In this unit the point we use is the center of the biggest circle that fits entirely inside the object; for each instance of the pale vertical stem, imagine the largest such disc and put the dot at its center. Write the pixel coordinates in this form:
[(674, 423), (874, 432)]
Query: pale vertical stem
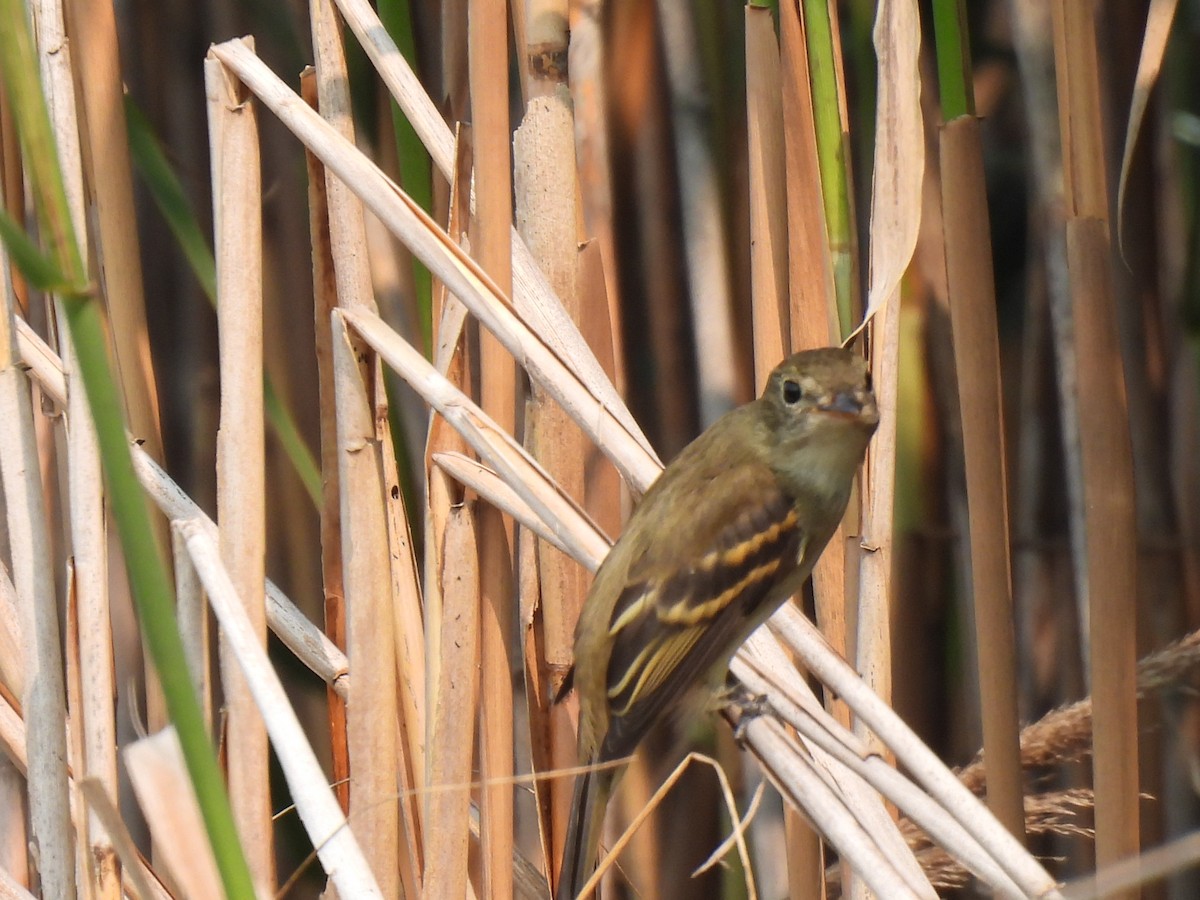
[(875, 575), (372, 710), (972, 294), (110, 183), (193, 624), (337, 843), (241, 504), (497, 764), (447, 834), (88, 875), (43, 701), (89, 548), (547, 216), (85, 496), (370, 631), (410, 659), (1110, 533), (492, 246)]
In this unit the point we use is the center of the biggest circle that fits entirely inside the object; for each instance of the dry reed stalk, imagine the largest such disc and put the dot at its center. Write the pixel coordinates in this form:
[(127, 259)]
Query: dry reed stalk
[(158, 776), (768, 207), (798, 777), (43, 700), (93, 31), (872, 639), (447, 827), (137, 878), (491, 231), (814, 320), (971, 291), (604, 490), (547, 217), (452, 363), (802, 637), (193, 627), (764, 670), (497, 754), (593, 172), (853, 791), (335, 841), (410, 665), (12, 653), (241, 467), (1109, 521), (358, 398), (324, 302), (372, 707), (895, 221), (94, 742)]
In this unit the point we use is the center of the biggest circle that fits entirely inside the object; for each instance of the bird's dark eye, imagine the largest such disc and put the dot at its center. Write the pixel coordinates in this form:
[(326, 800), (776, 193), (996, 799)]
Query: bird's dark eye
[(792, 392)]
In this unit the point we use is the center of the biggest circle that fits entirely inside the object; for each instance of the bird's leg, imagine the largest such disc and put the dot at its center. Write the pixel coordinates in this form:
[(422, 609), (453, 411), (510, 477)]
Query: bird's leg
[(740, 706)]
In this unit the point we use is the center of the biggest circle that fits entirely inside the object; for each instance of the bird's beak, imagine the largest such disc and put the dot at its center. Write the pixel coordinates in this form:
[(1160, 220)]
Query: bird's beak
[(844, 402)]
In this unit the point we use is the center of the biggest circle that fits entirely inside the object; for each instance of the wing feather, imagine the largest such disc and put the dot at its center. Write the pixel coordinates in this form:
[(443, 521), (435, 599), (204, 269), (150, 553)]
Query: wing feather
[(669, 630)]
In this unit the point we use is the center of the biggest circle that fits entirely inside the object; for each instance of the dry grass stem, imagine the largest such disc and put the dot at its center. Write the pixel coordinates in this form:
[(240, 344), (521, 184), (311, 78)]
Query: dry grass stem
[(43, 701), (165, 795), (1109, 525), (446, 808), (315, 802), (970, 282), (768, 210), (241, 466), (793, 701), (372, 709)]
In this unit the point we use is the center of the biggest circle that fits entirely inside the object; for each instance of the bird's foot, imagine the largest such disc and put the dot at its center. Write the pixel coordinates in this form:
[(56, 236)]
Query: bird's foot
[(741, 707)]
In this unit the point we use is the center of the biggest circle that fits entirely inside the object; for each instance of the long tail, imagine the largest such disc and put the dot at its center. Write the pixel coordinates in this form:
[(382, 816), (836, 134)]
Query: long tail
[(592, 791)]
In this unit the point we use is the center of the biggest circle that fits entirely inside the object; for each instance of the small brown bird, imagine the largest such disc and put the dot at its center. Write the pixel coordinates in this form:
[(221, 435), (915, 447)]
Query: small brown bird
[(729, 531)]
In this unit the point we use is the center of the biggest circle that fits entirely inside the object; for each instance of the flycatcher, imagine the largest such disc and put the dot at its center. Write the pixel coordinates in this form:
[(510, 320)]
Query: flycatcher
[(729, 531)]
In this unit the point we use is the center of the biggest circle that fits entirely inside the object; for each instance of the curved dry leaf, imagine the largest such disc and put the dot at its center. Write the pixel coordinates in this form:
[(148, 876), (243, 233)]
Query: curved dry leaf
[(899, 151), (1154, 46)]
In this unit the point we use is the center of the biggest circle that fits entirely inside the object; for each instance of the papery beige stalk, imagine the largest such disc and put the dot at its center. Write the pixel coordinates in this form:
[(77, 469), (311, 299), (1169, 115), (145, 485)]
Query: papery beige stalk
[(241, 477)]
